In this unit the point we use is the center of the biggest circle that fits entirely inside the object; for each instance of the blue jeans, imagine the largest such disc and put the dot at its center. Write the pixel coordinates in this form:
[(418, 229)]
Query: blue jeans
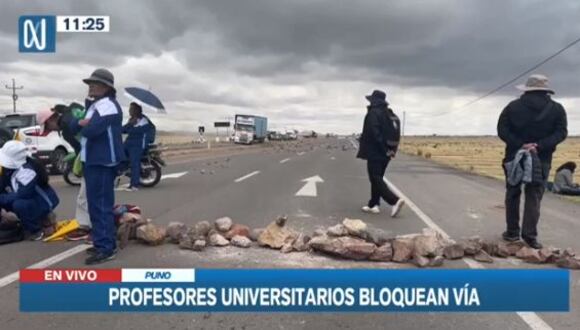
[(100, 181)]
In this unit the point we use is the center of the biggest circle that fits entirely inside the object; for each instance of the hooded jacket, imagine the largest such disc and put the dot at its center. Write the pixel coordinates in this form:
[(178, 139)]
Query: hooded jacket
[(380, 133), (533, 118)]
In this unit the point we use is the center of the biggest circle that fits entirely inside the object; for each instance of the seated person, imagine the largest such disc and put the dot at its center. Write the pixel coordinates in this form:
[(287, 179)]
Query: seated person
[(564, 180), (24, 189)]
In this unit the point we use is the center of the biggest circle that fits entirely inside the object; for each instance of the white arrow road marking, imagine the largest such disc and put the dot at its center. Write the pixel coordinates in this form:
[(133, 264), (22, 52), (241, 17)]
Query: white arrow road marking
[(173, 175), (247, 176), (284, 160), (309, 188)]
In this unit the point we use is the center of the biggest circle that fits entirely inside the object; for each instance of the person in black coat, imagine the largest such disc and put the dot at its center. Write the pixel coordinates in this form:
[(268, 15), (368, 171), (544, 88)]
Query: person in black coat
[(536, 123), (378, 145)]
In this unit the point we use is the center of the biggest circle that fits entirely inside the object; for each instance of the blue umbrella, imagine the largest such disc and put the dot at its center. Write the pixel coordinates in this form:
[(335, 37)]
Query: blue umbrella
[(145, 98)]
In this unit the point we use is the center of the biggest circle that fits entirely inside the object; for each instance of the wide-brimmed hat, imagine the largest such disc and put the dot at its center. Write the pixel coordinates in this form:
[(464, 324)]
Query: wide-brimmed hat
[(13, 155), (102, 76), (536, 82), (377, 97)]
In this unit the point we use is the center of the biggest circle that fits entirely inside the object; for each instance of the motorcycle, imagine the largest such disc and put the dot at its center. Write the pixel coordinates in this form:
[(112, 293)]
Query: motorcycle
[(151, 164)]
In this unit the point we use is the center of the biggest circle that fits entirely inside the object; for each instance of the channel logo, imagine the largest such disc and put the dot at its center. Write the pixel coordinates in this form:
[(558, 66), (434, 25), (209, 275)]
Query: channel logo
[(37, 34)]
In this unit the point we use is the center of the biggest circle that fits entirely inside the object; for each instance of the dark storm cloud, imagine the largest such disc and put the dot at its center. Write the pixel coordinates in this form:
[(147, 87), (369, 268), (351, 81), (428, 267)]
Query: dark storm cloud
[(459, 44)]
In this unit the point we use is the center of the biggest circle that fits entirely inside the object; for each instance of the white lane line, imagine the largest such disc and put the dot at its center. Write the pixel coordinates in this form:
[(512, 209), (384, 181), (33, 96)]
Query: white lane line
[(247, 176), (284, 160), (173, 175), (354, 144), (6, 280), (533, 320)]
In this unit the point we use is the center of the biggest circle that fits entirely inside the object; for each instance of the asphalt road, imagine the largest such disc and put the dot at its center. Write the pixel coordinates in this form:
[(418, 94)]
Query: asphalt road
[(254, 188)]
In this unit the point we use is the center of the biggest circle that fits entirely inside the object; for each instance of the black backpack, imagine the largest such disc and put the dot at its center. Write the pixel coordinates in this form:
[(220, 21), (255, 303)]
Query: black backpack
[(11, 232), (392, 131)]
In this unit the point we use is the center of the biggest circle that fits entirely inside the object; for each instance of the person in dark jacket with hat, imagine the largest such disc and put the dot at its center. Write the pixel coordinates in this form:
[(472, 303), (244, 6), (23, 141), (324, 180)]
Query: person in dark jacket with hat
[(536, 123), (378, 145), (101, 153)]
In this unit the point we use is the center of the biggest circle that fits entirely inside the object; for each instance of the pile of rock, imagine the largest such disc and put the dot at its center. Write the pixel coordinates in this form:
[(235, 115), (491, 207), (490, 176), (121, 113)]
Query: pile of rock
[(351, 239), (222, 233)]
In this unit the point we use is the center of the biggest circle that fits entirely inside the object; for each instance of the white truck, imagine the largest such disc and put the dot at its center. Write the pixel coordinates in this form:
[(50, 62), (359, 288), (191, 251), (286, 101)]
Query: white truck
[(250, 129)]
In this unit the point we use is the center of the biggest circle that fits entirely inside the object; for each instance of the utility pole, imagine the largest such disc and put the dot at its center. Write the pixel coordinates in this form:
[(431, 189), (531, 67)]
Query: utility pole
[(14, 95)]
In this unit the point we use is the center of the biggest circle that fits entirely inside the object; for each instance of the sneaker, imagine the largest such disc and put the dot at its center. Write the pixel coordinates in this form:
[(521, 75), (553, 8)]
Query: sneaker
[(39, 235), (99, 258), (88, 240), (374, 210), (78, 234), (534, 244), (397, 207), (91, 251), (131, 189), (510, 238)]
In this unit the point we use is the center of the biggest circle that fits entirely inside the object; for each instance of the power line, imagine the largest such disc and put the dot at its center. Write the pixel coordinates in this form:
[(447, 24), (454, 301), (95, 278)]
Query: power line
[(511, 81)]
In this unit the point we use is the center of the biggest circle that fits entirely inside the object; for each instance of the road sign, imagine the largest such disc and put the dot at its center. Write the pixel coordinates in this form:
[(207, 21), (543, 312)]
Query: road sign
[(221, 124)]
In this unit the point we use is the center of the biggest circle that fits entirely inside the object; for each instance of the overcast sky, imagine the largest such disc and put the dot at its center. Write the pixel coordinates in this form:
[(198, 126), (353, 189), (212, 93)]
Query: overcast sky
[(305, 64)]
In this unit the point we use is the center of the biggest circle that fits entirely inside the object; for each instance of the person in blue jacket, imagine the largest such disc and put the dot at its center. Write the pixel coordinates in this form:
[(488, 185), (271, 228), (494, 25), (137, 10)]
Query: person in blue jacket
[(25, 189), (101, 153), (138, 130)]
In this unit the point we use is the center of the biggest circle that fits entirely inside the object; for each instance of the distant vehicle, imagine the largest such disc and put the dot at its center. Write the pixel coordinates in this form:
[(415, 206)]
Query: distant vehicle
[(250, 129), (308, 134), (290, 135), (49, 148), (275, 136)]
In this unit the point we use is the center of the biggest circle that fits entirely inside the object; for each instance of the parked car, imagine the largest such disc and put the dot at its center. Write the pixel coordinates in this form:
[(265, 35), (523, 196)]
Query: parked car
[(49, 148), (275, 136)]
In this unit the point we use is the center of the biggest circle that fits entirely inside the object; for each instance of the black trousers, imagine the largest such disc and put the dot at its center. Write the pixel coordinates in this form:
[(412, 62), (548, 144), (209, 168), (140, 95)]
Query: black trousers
[(379, 189), (533, 200)]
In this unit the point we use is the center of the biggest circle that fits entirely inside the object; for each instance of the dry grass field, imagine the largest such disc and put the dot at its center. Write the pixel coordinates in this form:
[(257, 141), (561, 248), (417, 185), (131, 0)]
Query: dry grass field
[(480, 155)]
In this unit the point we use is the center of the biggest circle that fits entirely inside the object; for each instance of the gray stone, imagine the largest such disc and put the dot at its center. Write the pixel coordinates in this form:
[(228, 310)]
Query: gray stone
[(223, 224), (218, 240), (337, 230), (319, 232), (356, 227), (151, 234), (437, 261), (569, 262), (202, 228), (176, 230), (255, 233), (482, 256), (383, 253), (472, 245), (346, 247), (301, 243), (421, 261), (427, 246), (199, 245), (403, 249), (454, 251), (378, 236), (241, 241), (530, 255)]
